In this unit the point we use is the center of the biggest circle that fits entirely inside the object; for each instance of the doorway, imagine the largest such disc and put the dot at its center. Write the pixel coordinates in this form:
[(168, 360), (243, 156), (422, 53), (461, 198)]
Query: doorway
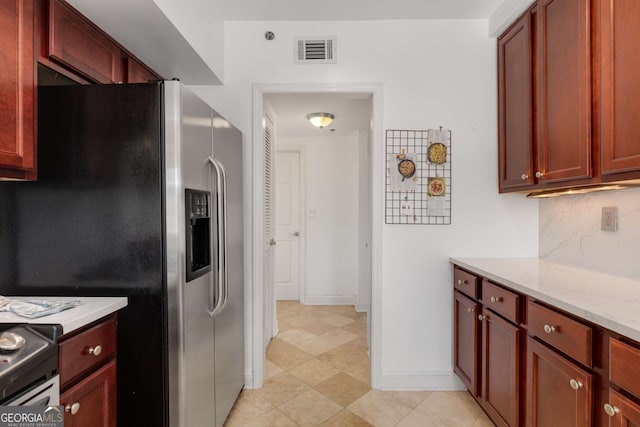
[(364, 295)]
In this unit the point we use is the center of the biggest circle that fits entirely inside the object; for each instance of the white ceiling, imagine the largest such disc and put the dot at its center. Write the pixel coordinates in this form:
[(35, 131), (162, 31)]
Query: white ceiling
[(354, 10), (352, 113)]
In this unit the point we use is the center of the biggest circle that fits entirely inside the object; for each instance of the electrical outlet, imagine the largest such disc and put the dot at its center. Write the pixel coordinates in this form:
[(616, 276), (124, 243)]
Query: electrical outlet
[(609, 219)]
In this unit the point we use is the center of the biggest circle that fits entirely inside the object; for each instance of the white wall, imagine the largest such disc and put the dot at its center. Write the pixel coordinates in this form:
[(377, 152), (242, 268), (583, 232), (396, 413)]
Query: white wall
[(201, 24), (570, 232), (331, 217), (434, 72)]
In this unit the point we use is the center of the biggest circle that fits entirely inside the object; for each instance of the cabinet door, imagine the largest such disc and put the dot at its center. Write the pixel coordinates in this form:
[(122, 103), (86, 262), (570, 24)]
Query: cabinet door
[(17, 96), (620, 85), (515, 108), (466, 341), (501, 369), (92, 402), (559, 392), (77, 44), (626, 412), (137, 73), (564, 90)]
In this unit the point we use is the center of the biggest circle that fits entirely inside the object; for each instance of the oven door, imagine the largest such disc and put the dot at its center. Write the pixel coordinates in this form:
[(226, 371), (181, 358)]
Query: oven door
[(42, 394)]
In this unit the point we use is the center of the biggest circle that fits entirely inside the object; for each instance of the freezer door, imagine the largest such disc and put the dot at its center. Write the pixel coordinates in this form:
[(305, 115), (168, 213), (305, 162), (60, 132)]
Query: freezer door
[(229, 322), (192, 385)]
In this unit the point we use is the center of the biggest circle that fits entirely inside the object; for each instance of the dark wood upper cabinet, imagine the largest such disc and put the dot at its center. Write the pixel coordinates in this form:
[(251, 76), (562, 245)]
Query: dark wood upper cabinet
[(138, 73), (77, 44), (619, 95), (54, 34), (564, 90), (17, 91), (515, 118), (569, 96)]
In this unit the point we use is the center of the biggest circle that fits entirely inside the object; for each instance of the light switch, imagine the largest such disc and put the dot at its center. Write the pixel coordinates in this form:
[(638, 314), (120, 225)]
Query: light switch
[(609, 219)]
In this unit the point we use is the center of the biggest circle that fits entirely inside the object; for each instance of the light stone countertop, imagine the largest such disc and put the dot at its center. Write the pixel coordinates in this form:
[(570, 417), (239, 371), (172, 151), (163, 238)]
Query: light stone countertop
[(89, 310), (609, 301)]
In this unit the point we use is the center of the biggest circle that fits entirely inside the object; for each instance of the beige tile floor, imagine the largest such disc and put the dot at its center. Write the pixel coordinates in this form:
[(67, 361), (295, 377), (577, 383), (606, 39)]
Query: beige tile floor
[(318, 375)]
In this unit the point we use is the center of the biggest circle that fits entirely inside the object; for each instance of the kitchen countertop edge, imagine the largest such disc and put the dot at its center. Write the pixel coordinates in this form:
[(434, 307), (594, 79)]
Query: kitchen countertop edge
[(611, 302), (89, 310)]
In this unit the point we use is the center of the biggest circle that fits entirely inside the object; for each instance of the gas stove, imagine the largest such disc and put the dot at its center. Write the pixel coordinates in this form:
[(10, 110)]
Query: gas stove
[(28, 357)]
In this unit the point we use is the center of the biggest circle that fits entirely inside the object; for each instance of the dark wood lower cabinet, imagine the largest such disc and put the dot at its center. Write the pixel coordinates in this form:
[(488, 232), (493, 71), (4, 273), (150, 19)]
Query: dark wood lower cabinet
[(466, 341), (501, 369), (92, 401), (623, 411), (559, 392)]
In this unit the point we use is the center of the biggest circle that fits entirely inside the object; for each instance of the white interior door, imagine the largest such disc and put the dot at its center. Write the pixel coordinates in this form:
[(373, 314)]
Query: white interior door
[(287, 265), (269, 238)]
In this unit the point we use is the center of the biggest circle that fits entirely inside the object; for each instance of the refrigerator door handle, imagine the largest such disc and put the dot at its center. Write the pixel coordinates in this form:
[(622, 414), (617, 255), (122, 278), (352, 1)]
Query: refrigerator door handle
[(221, 232)]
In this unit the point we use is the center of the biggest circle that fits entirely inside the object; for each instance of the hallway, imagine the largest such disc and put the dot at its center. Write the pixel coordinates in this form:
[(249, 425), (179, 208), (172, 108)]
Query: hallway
[(318, 375)]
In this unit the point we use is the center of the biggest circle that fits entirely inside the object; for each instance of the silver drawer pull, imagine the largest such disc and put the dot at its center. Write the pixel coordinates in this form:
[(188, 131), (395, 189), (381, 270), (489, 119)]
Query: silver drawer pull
[(96, 351), (576, 385), (462, 282), (470, 310), (496, 299), (549, 329), (611, 410), (72, 408)]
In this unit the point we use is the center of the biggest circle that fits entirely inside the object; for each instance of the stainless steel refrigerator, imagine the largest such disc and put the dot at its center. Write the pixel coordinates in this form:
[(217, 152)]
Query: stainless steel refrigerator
[(140, 194)]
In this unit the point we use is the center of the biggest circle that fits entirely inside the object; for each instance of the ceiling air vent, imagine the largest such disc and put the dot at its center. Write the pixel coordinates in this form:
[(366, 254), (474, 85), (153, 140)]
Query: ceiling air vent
[(321, 50)]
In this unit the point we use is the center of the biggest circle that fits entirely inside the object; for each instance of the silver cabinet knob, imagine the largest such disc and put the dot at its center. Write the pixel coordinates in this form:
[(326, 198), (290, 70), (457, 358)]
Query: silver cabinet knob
[(549, 329), (272, 242), (611, 410), (576, 385), (296, 233), (461, 282), (496, 299), (470, 310), (96, 351), (524, 177), (480, 317), (72, 408), (539, 174)]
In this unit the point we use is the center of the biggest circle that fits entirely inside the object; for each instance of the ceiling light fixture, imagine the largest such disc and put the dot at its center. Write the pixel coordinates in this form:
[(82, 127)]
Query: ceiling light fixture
[(320, 120)]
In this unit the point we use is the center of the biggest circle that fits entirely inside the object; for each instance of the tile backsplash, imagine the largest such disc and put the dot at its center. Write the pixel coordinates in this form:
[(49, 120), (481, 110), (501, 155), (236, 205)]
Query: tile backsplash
[(570, 232)]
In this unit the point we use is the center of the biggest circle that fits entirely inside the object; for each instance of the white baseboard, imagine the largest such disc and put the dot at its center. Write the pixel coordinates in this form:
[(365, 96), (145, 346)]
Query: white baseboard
[(362, 308), (420, 380), (330, 300), (248, 380)]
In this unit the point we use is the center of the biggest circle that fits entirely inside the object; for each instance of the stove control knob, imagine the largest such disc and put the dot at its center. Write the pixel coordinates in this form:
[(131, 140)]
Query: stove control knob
[(96, 351), (72, 408)]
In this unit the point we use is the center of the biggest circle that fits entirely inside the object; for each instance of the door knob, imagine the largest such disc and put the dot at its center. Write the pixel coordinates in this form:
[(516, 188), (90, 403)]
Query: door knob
[(575, 384), (611, 410)]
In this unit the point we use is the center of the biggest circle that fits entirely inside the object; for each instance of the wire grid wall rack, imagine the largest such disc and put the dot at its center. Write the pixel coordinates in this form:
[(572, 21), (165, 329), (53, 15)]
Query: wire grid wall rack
[(425, 197)]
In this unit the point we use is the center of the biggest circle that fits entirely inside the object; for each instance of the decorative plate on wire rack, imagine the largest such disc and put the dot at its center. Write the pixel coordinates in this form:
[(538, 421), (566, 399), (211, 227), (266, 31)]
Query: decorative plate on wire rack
[(437, 153)]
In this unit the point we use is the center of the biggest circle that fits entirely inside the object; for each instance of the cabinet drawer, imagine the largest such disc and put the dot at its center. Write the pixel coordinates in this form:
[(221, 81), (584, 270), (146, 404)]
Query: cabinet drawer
[(567, 335), (501, 301), (86, 350), (623, 364), (465, 282)]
